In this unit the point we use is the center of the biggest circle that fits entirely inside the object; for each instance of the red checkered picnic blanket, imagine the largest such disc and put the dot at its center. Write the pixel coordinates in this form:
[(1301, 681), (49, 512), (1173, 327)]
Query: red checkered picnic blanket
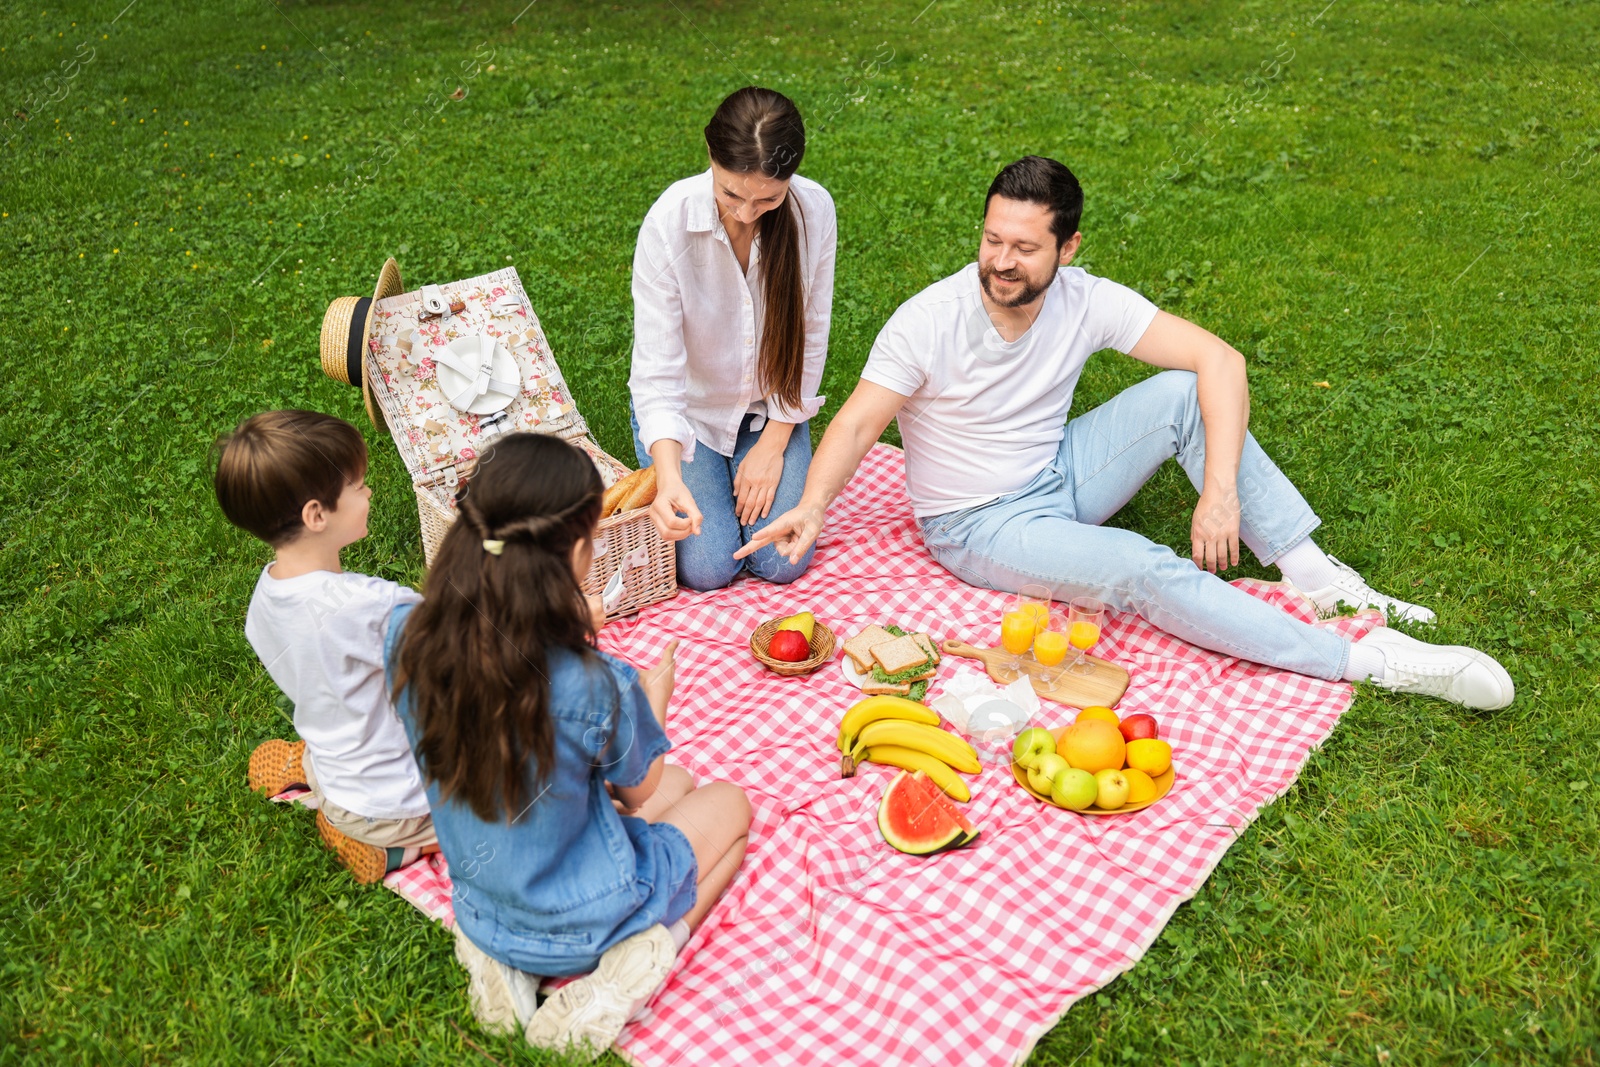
[(831, 947)]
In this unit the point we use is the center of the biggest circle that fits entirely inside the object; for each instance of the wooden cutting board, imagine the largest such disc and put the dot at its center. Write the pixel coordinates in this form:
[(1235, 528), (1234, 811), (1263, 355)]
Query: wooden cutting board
[(1103, 686)]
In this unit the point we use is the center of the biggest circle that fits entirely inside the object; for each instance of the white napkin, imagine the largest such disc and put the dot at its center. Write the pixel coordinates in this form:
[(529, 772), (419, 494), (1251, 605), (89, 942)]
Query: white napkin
[(988, 716)]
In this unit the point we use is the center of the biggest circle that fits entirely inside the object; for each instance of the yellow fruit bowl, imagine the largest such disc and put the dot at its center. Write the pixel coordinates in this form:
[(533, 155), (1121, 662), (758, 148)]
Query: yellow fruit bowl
[(1163, 787), (1163, 783)]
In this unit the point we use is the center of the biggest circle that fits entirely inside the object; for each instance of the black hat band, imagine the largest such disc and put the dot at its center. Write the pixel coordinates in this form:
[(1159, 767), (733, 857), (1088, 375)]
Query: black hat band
[(357, 342)]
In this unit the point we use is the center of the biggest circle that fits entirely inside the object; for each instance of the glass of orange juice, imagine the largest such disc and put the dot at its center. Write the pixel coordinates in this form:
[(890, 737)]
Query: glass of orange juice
[(1026, 614), (1050, 647), (1034, 599), (1086, 616)]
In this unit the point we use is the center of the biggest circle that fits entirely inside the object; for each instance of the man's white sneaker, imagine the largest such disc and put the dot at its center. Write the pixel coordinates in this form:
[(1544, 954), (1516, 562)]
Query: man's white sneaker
[(1356, 594), (502, 997), (586, 1016), (1455, 673)]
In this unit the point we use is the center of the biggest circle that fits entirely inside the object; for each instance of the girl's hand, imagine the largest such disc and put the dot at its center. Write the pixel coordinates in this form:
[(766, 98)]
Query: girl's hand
[(756, 482), (616, 801), (597, 610), (672, 497), (657, 681)]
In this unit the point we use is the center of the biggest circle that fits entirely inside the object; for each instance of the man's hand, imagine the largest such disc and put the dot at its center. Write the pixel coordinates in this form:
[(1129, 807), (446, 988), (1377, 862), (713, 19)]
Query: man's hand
[(1214, 533), (756, 482), (672, 497), (657, 681), (790, 533)]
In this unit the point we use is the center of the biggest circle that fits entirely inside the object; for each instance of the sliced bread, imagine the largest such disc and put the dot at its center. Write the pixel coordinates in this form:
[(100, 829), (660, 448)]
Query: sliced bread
[(859, 647), (927, 644), (899, 654), (886, 689)]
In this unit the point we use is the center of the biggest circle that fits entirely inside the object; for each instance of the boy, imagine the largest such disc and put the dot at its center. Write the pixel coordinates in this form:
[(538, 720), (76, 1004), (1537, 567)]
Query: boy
[(296, 480)]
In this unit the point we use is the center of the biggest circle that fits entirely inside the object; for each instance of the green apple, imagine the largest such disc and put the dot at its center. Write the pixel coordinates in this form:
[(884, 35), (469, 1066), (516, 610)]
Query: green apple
[(1113, 789), (1031, 744), (1075, 789), (1042, 775)]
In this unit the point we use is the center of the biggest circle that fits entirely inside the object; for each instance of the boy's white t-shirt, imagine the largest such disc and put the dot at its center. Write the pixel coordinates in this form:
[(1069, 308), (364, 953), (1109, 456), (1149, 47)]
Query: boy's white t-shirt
[(320, 636), (985, 415)]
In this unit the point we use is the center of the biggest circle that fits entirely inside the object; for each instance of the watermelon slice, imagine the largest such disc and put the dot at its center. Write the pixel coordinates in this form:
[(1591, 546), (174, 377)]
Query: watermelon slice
[(916, 817)]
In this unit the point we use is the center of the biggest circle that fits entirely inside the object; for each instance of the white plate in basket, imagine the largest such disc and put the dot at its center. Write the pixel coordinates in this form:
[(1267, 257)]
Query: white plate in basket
[(470, 351)]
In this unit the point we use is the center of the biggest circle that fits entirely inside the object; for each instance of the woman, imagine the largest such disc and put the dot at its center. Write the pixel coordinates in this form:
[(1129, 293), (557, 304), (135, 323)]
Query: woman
[(732, 297)]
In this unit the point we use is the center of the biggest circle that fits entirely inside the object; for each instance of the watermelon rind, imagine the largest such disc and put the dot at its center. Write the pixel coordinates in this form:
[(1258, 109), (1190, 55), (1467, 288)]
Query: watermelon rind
[(915, 818)]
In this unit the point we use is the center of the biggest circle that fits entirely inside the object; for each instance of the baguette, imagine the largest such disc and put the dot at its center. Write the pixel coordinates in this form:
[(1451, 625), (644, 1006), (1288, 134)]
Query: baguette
[(636, 490)]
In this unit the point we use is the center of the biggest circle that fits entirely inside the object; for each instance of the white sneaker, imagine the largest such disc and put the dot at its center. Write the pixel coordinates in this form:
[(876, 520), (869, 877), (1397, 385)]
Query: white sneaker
[(1356, 594), (502, 997), (584, 1017), (1455, 673)]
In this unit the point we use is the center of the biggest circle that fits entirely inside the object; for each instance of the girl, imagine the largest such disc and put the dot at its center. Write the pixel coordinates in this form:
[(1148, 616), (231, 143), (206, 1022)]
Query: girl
[(732, 297), (572, 844)]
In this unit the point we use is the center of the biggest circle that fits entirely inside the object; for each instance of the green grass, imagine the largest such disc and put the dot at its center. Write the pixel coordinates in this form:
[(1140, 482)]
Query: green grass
[(1402, 209)]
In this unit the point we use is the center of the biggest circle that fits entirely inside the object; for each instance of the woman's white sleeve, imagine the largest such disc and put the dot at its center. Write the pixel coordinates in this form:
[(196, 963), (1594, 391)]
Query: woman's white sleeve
[(660, 374)]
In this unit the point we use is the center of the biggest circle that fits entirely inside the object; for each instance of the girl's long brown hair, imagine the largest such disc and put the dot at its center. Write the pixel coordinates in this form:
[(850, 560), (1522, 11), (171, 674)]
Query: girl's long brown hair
[(476, 650), (760, 131)]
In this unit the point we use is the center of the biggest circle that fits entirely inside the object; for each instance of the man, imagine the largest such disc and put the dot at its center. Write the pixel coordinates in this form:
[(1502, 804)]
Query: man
[(979, 369)]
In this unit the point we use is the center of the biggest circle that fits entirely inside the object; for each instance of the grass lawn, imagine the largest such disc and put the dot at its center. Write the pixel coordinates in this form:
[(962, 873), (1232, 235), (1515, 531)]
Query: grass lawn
[(1385, 206)]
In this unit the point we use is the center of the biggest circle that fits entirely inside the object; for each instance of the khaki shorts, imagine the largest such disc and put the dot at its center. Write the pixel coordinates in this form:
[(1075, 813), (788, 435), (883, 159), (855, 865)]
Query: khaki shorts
[(415, 832)]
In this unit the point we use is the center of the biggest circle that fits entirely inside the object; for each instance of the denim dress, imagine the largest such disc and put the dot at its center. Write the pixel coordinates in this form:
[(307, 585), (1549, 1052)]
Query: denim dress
[(551, 891)]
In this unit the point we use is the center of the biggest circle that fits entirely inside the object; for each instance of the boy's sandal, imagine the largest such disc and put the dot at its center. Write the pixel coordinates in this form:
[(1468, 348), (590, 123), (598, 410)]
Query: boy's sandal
[(368, 863), (585, 1017), (277, 765)]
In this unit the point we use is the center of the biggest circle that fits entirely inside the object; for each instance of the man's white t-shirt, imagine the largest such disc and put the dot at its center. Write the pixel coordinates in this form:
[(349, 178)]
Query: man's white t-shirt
[(320, 636), (985, 415)]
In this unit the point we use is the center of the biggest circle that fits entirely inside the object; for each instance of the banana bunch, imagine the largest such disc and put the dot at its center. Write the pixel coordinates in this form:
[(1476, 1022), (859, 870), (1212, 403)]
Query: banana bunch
[(903, 733)]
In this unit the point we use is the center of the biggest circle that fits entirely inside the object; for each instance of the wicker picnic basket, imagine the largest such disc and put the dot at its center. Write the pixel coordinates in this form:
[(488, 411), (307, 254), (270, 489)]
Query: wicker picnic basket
[(407, 349)]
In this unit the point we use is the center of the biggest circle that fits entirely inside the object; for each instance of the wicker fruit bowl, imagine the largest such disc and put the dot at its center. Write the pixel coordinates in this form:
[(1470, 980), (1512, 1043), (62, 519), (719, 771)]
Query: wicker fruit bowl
[(821, 650)]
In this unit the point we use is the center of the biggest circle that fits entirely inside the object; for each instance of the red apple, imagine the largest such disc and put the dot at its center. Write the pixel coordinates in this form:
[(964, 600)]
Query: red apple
[(790, 646), (1137, 727)]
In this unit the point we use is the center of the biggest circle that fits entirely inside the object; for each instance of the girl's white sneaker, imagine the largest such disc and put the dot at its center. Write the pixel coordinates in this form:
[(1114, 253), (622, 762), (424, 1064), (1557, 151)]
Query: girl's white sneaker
[(586, 1016), (502, 997)]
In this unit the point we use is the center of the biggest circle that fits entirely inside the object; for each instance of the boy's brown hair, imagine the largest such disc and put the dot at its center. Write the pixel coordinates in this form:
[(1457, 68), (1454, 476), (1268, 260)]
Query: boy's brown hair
[(278, 461)]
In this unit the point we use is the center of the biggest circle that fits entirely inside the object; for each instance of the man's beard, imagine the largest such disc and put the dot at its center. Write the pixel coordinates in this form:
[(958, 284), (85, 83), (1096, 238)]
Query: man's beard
[(1027, 295)]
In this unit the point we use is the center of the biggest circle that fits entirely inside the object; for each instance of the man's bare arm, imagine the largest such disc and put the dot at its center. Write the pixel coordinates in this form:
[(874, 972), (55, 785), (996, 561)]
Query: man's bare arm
[(1224, 393)]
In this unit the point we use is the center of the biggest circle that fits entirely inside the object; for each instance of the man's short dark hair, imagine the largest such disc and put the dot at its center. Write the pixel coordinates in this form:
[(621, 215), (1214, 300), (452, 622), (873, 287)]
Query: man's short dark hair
[(1038, 180), (276, 462)]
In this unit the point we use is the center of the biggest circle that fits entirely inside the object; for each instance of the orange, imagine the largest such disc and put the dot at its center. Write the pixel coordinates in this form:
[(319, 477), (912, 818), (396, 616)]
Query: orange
[(1140, 787), (1103, 714), (1150, 756), (1093, 745)]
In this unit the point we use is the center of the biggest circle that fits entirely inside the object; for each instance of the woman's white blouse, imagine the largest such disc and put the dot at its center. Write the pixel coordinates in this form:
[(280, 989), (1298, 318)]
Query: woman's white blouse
[(697, 318)]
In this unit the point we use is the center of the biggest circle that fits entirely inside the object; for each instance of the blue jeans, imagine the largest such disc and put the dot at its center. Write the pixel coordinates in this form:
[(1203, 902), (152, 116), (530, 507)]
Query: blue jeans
[(1049, 532), (706, 561)]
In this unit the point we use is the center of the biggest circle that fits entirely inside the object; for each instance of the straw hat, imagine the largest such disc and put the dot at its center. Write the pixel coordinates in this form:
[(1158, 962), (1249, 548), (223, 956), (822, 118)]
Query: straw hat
[(345, 329)]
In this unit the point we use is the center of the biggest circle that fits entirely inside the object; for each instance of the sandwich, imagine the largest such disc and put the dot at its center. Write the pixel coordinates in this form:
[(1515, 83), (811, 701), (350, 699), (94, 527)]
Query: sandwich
[(895, 662), (859, 647)]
